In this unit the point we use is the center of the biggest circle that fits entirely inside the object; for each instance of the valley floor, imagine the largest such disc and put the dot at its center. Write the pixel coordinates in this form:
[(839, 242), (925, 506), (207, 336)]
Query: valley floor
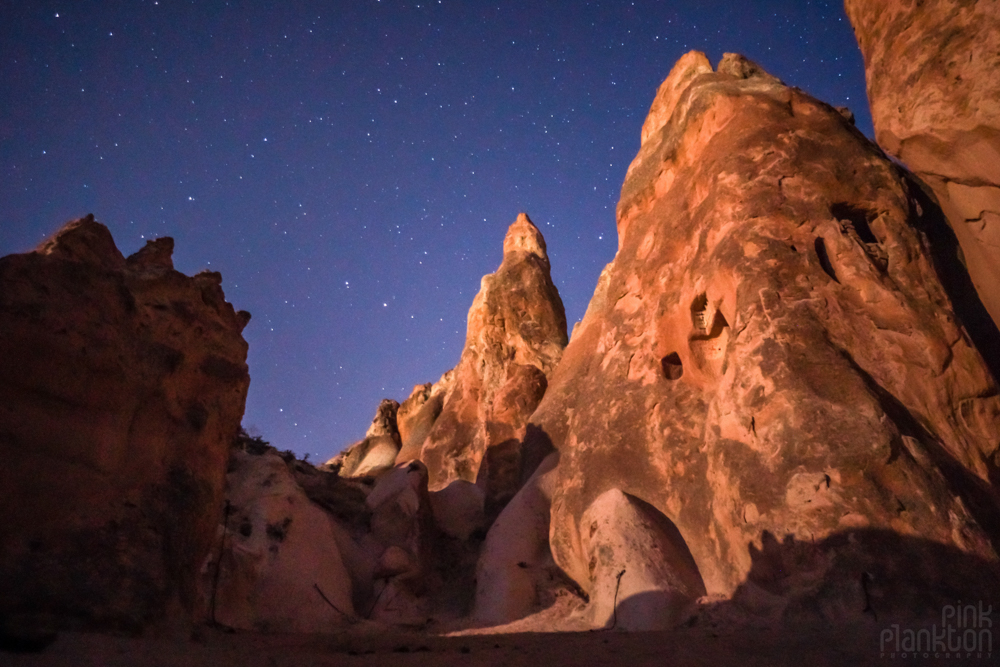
[(372, 645)]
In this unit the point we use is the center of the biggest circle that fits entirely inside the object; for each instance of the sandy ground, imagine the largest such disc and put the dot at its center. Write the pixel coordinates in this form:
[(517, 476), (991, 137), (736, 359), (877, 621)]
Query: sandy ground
[(371, 645)]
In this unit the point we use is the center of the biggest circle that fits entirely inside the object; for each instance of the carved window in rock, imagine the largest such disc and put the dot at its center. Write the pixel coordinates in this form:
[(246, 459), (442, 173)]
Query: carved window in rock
[(856, 224)]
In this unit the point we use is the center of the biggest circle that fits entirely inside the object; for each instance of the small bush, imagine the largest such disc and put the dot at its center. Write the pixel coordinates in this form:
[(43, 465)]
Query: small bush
[(251, 444)]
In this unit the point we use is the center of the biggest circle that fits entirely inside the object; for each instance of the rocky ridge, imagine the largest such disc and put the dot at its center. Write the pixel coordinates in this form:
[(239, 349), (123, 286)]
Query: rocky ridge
[(377, 452)]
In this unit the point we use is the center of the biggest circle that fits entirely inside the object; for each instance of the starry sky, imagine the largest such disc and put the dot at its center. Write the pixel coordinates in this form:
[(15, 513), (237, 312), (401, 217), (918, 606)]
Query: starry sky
[(351, 167)]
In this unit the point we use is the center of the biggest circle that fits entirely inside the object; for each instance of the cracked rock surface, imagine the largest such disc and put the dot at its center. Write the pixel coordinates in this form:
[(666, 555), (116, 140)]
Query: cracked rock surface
[(516, 334), (932, 79), (122, 385), (772, 365)]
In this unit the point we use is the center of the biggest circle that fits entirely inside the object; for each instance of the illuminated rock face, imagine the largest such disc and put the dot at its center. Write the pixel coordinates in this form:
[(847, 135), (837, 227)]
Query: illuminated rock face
[(122, 385), (281, 569), (771, 366), (377, 452), (935, 99), (516, 334), (770, 399)]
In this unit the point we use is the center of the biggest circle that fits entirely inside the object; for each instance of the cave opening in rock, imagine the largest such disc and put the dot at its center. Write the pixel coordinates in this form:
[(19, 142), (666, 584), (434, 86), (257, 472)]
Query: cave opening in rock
[(673, 368), (699, 313), (859, 219), (719, 322), (824, 259)]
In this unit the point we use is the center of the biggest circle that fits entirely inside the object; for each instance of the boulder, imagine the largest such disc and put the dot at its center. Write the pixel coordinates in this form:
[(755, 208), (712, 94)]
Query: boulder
[(400, 507), (642, 576), (772, 364), (277, 566), (404, 536), (122, 386), (515, 562), (935, 101), (458, 509)]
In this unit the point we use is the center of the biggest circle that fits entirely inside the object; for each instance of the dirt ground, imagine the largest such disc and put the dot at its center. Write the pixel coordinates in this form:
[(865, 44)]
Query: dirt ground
[(372, 645)]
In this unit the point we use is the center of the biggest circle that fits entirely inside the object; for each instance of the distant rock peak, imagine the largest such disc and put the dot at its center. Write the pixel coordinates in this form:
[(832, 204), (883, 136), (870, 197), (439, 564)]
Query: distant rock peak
[(469, 426), (691, 65), (84, 240), (376, 453), (157, 253), (742, 67), (523, 236)]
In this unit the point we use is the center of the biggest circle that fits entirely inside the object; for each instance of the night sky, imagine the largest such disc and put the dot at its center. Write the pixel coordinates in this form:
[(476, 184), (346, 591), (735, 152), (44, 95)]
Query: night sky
[(351, 167)]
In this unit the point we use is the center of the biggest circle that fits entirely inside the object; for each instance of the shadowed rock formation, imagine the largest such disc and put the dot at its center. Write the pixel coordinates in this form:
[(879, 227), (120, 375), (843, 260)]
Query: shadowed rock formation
[(277, 567), (516, 333), (935, 99), (770, 353), (122, 384), (302, 549), (516, 564), (412, 551)]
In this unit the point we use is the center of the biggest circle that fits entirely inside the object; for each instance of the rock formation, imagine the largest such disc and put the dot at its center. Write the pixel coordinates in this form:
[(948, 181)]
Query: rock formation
[(625, 536), (418, 413), (277, 567), (122, 385), (402, 526), (772, 405), (304, 549), (770, 376), (935, 99), (516, 333), (396, 550), (377, 452), (406, 416), (516, 564)]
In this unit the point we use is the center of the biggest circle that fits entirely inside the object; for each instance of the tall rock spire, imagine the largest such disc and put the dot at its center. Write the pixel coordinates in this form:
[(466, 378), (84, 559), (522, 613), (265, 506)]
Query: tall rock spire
[(516, 334)]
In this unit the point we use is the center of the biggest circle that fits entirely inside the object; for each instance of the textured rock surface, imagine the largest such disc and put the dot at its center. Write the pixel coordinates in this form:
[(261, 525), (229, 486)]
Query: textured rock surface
[(642, 574), (419, 412), (377, 452), (772, 363), (406, 416), (383, 548), (935, 98), (515, 563), (402, 527), (278, 554), (516, 334), (401, 512), (122, 385)]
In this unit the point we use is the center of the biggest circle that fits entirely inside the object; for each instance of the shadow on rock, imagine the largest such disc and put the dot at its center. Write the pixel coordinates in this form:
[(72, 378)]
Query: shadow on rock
[(850, 575)]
